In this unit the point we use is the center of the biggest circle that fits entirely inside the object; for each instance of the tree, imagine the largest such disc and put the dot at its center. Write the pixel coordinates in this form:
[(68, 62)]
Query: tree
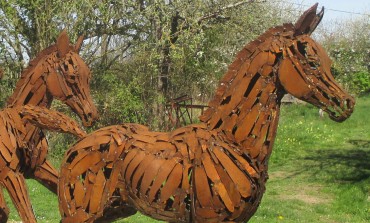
[(142, 53), (348, 44), (148, 51), (179, 48)]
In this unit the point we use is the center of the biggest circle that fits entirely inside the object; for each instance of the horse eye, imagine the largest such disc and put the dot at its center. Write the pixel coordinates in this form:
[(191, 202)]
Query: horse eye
[(71, 79)]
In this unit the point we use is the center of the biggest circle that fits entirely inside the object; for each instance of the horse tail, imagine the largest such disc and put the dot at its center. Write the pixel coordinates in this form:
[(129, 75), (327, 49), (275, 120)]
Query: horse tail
[(50, 120)]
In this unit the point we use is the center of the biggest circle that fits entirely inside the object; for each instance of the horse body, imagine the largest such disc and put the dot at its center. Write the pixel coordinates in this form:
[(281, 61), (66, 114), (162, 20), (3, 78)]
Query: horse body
[(160, 174), (214, 171), (203, 172), (39, 84), (57, 72), (13, 134)]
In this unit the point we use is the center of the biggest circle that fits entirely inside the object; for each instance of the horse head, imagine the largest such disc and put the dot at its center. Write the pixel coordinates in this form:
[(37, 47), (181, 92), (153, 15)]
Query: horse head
[(304, 70), (68, 79)]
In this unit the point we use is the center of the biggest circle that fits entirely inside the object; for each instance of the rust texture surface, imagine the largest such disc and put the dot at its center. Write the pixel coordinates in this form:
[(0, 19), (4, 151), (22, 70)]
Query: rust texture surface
[(57, 72), (214, 171)]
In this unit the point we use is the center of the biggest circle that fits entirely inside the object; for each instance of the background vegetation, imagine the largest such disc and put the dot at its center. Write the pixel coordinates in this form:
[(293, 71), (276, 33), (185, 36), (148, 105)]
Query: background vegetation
[(143, 53)]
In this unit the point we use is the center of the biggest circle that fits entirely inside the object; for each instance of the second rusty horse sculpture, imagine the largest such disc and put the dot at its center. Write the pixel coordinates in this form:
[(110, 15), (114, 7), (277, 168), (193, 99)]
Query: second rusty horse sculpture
[(14, 135), (57, 72), (214, 171)]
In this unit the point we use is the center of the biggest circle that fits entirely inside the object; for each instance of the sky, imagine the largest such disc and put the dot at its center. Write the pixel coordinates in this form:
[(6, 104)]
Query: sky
[(333, 8)]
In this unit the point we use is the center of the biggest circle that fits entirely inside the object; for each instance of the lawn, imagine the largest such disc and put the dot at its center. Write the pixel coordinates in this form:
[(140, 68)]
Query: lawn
[(319, 172)]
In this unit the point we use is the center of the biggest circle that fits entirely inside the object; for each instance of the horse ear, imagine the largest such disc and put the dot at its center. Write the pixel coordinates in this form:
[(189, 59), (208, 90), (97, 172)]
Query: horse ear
[(63, 43), (79, 43), (308, 21)]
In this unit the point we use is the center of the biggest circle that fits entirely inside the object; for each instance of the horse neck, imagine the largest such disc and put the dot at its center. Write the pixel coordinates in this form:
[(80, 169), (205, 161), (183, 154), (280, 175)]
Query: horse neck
[(247, 103), (31, 88)]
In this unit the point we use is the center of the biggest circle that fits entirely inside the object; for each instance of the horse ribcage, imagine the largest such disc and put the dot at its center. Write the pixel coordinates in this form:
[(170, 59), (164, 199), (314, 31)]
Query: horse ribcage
[(157, 179), (190, 174)]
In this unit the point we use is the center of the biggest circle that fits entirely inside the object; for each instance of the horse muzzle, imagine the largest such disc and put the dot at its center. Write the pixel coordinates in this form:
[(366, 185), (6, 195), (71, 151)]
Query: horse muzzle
[(343, 111)]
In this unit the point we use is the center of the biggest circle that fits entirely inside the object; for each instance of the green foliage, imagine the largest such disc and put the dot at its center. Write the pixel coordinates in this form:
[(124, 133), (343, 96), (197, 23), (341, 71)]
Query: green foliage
[(361, 81), (348, 44), (6, 88), (58, 144), (119, 101), (172, 48)]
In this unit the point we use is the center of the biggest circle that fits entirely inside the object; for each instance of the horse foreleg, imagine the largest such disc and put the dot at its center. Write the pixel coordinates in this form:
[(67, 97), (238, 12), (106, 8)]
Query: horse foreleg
[(96, 197), (47, 175), (90, 176), (16, 186), (84, 196), (4, 210), (41, 169)]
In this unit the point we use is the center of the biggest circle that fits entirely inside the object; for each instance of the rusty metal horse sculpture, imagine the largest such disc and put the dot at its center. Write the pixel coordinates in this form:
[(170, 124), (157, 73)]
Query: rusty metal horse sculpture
[(214, 171), (13, 134), (57, 72)]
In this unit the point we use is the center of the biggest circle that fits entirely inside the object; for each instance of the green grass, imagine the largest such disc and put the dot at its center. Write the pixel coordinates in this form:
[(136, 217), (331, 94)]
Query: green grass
[(319, 172), (319, 169)]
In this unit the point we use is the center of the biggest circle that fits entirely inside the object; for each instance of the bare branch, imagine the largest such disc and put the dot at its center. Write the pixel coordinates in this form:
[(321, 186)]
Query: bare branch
[(225, 8)]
